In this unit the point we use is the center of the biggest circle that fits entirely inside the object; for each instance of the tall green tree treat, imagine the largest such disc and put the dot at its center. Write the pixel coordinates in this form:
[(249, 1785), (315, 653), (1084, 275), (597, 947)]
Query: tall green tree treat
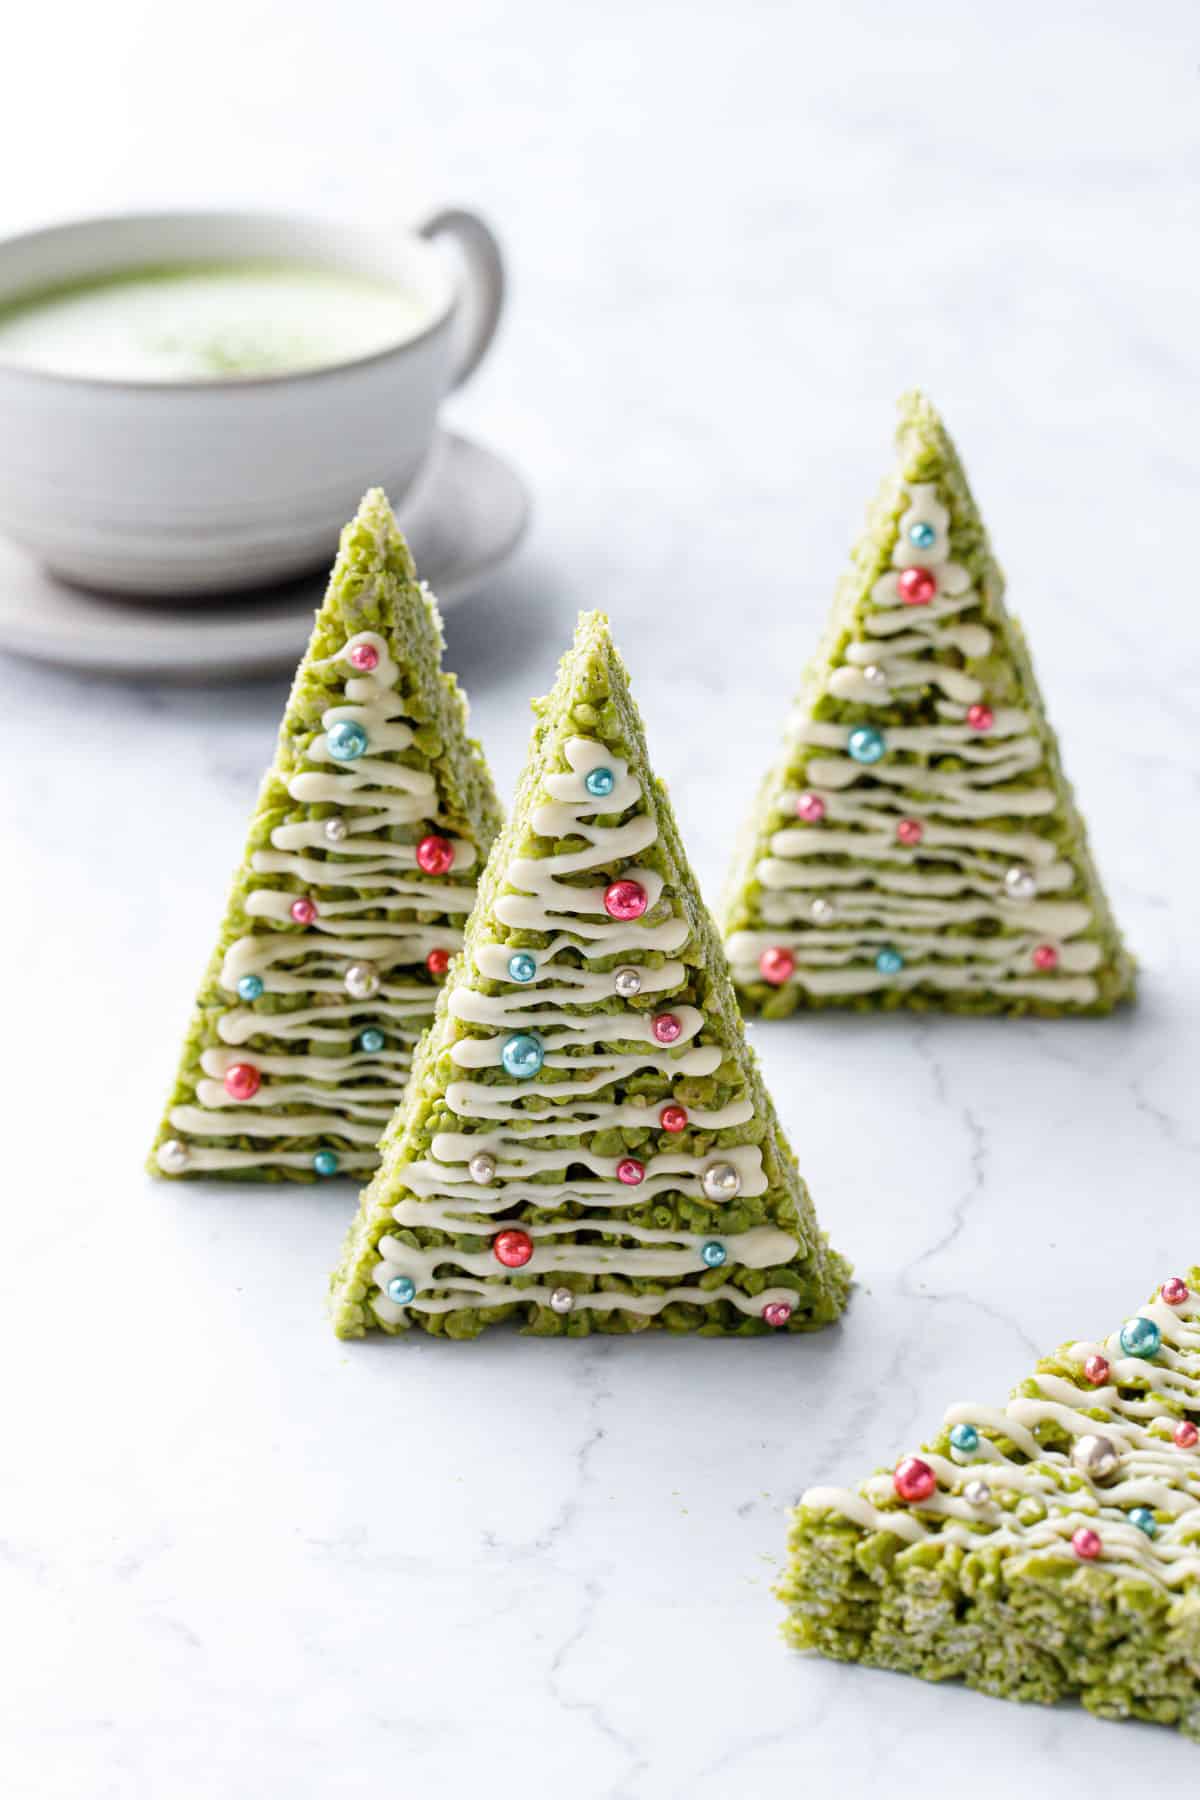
[(586, 1143), (1042, 1550), (359, 873), (917, 844)]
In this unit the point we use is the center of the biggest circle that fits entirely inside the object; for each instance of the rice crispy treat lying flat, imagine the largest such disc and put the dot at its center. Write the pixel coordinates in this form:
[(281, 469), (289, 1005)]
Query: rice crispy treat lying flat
[(1043, 1550)]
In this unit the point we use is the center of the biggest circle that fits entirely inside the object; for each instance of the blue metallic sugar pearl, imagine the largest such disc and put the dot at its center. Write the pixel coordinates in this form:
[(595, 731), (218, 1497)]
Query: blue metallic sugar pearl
[(325, 1162), (522, 1055), (401, 1289), (1144, 1519), (1141, 1337), (371, 1040), (889, 961), (713, 1254), (865, 744), (600, 783), (522, 966), (964, 1438), (922, 535), (346, 740), (250, 987)]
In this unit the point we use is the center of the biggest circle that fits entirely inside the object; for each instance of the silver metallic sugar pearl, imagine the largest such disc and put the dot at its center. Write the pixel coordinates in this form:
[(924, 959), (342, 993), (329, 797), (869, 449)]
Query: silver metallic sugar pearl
[(362, 980), (976, 1493), (821, 912), (628, 982), (1095, 1456), (721, 1181), (336, 830), (1020, 883), (562, 1300), (173, 1157), (482, 1168)]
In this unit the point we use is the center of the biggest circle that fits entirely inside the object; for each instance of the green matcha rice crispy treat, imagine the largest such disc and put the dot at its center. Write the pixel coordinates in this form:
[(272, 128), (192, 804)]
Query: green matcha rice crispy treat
[(586, 1142), (358, 876), (1044, 1550), (917, 843)]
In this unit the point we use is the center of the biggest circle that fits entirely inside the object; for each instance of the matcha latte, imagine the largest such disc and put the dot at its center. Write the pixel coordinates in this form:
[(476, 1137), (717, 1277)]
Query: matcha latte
[(208, 322)]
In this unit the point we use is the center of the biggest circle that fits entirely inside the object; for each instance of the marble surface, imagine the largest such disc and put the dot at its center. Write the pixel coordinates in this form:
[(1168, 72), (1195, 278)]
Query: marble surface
[(238, 1558)]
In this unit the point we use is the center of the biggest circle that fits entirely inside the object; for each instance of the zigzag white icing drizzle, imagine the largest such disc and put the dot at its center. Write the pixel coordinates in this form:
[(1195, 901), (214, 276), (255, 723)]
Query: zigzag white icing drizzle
[(348, 1096), (1154, 1472), (930, 901), (586, 1054)]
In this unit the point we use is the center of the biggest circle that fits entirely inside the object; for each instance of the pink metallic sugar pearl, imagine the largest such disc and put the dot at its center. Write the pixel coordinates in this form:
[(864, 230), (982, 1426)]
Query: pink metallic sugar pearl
[(665, 1028), (1086, 1543), (1045, 957), (913, 1479), (242, 1081), (435, 855), (810, 808), (625, 900), (916, 587), (776, 965), (631, 1171), (1097, 1370), (909, 832), (1186, 1435), (304, 910), (513, 1248), (364, 657), (776, 1313), (980, 718), (1174, 1291)]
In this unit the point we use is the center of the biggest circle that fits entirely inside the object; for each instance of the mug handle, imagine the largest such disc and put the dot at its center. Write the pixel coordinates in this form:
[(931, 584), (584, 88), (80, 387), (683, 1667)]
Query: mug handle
[(483, 289)]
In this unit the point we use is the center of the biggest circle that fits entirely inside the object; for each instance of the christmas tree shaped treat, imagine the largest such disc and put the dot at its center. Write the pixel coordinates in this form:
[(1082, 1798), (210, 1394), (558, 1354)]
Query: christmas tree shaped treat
[(364, 851), (917, 843), (586, 1142), (1041, 1550)]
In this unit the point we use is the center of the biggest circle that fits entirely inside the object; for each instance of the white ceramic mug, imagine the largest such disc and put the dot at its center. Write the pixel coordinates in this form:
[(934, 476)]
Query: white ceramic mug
[(203, 487)]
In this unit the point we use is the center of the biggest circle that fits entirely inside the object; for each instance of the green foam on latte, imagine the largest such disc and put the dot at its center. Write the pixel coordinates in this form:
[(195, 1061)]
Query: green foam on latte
[(208, 322)]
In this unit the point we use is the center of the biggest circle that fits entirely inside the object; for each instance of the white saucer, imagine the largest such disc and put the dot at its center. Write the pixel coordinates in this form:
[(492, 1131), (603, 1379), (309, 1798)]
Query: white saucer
[(463, 518)]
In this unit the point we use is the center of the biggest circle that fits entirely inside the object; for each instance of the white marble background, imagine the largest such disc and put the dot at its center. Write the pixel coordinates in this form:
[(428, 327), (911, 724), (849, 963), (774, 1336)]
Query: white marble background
[(240, 1559)]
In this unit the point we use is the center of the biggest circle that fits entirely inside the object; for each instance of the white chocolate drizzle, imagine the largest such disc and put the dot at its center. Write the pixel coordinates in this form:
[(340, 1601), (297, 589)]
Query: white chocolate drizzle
[(1139, 1404), (588, 1057), (941, 903), (348, 1094)]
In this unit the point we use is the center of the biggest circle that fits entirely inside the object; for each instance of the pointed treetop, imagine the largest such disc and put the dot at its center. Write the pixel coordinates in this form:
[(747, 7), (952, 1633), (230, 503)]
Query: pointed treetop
[(926, 458), (926, 447), (373, 586), (373, 564), (586, 1142)]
